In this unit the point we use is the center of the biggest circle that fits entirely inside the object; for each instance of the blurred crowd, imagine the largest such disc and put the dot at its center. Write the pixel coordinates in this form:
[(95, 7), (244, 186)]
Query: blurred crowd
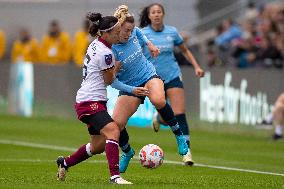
[(256, 40), (55, 47)]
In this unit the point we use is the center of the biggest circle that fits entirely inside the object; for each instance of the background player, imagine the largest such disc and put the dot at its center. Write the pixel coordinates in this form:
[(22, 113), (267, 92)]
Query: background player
[(278, 117), (165, 38)]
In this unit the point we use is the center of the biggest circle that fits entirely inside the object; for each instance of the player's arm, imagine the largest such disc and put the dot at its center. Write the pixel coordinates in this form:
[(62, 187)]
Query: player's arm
[(138, 91), (155, 51), (109, 75), (190, 58), (108, 68)]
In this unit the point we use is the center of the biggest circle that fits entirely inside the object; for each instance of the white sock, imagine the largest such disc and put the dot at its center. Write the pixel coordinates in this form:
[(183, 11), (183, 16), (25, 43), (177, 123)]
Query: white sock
[(114, 177), (278, 129), (65, 164)]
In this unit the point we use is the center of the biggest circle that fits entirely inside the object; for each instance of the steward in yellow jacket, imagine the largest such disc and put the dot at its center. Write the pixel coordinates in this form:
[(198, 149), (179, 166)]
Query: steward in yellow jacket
[(56, 46), (2, 44), (25, 48), (81, 43)]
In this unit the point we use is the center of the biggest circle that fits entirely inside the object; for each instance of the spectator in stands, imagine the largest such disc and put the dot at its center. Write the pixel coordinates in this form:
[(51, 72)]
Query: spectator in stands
[(25, 48), (213, 57), (56, 46), (251, 11), (81, 42), (242, 47), (231, 31), (260, 42), (267, 52), (280, 45), (2, 44)]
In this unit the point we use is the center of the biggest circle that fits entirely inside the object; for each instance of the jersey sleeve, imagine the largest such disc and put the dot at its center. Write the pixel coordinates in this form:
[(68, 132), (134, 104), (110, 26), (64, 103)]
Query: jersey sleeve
[(106, 61), (178, 40), (121, 86), (141, 37)]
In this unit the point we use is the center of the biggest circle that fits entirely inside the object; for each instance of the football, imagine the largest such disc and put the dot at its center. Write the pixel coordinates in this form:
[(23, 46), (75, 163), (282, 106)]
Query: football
[(151, 156)]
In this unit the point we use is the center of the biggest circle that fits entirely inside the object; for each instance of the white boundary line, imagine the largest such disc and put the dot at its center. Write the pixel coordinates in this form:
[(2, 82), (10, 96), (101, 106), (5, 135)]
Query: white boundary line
[(62, 148)]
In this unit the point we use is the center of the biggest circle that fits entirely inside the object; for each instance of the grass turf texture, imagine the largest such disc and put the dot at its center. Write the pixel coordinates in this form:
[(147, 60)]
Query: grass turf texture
[(229, 146)]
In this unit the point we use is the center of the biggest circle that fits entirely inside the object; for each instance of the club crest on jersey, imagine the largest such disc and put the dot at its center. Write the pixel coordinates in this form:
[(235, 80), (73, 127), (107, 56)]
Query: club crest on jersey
[(94, 106), (169, 38), (108, 59)]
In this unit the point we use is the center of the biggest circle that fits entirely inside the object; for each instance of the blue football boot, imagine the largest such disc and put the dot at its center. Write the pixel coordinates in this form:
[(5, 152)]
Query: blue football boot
[(124, 160), (182, 145)]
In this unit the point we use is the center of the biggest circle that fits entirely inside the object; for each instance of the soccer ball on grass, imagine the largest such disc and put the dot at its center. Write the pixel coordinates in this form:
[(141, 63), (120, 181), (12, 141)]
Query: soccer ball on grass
[(151, 156)]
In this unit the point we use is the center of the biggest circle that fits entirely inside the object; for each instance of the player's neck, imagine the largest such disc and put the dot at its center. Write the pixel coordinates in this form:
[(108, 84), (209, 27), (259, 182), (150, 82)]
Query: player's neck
[(105, 42), (157, 27)]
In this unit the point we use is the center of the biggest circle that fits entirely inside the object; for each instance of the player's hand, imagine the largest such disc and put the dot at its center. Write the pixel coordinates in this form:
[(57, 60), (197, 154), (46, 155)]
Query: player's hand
[(155, 51), (199, 72), (140, 91)]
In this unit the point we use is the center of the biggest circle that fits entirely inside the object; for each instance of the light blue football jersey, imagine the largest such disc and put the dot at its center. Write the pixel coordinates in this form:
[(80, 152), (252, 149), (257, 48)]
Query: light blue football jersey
[(166, 65), (135, 68)]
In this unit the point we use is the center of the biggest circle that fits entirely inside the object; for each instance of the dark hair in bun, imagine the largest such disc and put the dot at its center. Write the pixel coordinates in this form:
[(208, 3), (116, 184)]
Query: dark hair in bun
[(98, 22)]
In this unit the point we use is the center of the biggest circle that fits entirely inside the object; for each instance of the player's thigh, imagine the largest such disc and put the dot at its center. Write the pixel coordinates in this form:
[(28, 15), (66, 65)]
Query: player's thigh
[(124, 108), (98, 144), (177, 99), (157, 93)]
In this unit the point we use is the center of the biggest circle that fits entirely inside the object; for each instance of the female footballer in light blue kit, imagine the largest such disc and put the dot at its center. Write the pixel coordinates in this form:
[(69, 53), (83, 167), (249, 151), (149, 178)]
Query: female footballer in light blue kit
[(136, 79), (165, 38)]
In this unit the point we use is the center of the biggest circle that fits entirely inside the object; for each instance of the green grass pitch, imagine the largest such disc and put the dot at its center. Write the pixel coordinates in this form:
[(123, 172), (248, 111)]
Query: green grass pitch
[(30, 161)]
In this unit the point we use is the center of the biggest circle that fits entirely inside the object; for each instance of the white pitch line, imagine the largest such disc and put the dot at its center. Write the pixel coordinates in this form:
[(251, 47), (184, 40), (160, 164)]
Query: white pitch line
[(62, 148), (44, 160), (227, 168), (36, 145)]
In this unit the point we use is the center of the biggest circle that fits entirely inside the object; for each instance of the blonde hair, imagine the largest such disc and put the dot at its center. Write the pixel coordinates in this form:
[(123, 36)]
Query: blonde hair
[(122, 13)]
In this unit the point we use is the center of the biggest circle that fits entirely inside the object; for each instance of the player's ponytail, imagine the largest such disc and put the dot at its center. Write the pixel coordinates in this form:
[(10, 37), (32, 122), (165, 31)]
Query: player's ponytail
[(94, 27), (144, 19), (101, 24)]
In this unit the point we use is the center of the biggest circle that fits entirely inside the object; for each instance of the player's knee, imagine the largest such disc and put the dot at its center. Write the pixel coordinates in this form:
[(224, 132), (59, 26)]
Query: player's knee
[(159, 103), (120, 123), (112, 131), (116, 132)]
